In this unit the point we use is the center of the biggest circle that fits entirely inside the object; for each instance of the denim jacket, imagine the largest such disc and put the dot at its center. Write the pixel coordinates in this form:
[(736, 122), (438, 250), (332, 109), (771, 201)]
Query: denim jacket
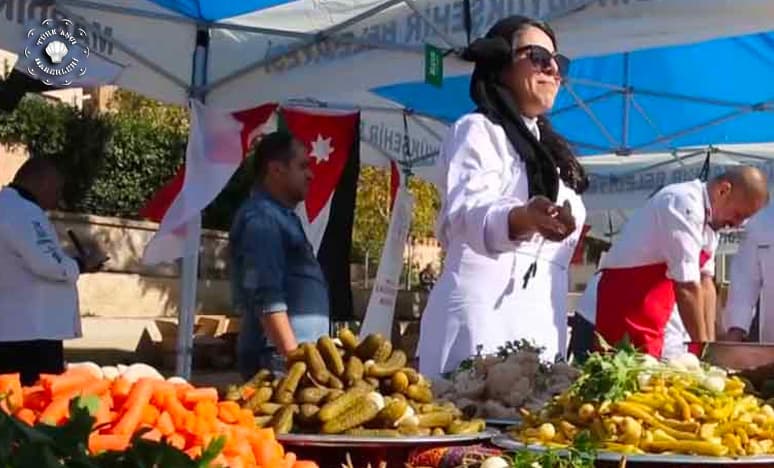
[(274, 269)]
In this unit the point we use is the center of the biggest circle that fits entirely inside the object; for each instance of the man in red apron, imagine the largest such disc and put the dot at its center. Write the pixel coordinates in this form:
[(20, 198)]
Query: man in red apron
[(656, 261)]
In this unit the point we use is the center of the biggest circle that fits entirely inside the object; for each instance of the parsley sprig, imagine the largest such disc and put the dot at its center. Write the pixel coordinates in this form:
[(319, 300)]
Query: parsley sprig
[(609, 375)]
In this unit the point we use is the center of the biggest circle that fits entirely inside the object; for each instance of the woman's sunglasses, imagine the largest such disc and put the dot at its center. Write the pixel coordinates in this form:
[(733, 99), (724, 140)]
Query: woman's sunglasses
[(542, 58)]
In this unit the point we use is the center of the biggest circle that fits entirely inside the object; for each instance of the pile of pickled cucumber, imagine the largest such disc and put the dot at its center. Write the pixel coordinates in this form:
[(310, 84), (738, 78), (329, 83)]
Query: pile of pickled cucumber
[(346, 386), (682, 406)]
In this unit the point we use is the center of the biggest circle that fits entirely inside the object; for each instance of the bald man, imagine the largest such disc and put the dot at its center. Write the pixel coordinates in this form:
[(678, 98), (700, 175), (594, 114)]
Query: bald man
[(38, 297), (660, 260)]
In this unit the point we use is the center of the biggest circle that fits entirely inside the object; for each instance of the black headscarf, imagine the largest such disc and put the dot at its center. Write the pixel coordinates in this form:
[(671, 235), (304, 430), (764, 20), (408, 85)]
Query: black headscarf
[(491, 55)]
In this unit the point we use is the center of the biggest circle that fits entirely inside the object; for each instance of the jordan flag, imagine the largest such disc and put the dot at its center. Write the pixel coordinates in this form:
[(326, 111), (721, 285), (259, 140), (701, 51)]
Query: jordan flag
[(332, 143), (218, 143)]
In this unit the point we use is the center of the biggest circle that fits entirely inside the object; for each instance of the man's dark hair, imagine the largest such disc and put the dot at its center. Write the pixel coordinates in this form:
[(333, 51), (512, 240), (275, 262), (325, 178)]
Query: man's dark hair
[(273, 147), (34, 167)]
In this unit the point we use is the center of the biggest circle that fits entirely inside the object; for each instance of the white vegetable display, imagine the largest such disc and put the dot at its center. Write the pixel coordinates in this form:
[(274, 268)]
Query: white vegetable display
[(132, 373), (495, 387)]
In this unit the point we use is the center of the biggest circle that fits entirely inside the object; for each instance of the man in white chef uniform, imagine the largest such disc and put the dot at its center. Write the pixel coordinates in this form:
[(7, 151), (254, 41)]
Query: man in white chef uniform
[(38, 295), (656, 264), (752, 278)]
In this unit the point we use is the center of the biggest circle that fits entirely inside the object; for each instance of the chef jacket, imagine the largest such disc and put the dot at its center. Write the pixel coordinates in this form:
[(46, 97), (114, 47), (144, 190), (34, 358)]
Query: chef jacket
[(38, 294), (750, 268), (671, 228), (480, 300)]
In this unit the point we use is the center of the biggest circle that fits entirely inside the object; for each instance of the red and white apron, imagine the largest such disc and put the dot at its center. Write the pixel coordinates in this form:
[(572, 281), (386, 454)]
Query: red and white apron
[(637, 302)]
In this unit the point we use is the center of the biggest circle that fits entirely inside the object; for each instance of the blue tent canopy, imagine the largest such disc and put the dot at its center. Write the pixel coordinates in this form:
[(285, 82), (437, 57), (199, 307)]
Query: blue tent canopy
[(213, 10), (715, 92)]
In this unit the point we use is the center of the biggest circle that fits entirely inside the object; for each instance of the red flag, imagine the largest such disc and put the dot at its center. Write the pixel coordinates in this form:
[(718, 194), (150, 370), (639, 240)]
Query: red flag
[(252, 121), (328, 139), (394, 182)]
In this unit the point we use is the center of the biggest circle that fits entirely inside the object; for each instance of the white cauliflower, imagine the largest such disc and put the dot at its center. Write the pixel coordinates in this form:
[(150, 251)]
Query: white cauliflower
[(467, 385), (442, 386), (495, 410)]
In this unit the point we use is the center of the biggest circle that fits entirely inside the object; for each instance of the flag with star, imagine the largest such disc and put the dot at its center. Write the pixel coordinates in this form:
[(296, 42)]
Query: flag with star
[(332, 142), (218, 144)]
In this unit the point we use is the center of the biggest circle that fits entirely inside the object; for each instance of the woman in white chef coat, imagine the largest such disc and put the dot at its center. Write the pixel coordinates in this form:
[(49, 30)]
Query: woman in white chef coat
[(511, 211)]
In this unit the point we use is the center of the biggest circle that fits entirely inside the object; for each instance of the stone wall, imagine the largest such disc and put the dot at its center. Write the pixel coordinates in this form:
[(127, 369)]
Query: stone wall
[(126, 287)]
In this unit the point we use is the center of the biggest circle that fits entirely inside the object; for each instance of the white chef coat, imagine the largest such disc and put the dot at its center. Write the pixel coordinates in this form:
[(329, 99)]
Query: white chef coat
[(38, 295), (478, 299), (675, 335), (671, 228), (752, 270)]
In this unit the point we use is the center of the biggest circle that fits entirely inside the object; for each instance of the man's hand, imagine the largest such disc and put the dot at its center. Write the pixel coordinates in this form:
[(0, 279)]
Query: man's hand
[(277, 327), (690, 305), (734, 334)]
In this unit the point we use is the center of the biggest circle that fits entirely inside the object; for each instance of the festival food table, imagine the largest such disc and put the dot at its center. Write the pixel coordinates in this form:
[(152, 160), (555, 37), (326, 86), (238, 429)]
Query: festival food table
[(353, 398)]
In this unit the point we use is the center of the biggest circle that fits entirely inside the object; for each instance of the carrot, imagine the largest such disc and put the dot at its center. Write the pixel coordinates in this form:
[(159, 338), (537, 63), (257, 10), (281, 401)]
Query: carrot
[(246, 418), (120, 390), (176, 410), (228, 411), (267, 454), (305, 464), (206, 410), (235, 462), (164, 424), (107, 442), (150, 414), (26, 415), (247, 392), (10, 386), (195, 395), (194, 452), (103, 413), (138, 398), (56, 412), (153, 434), (97, 387), (70, 381), (176, 440)]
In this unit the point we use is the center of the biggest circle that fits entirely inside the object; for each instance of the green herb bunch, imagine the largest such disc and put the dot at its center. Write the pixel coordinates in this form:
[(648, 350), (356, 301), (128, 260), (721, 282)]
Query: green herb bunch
[(609, 375)]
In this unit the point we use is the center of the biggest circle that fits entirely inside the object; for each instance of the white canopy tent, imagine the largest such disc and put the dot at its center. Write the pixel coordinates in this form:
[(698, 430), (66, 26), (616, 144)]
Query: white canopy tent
[(334, 53)]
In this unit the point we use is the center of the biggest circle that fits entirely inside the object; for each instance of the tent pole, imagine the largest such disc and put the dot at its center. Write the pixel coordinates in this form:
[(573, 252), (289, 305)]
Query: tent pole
[(189, 277)]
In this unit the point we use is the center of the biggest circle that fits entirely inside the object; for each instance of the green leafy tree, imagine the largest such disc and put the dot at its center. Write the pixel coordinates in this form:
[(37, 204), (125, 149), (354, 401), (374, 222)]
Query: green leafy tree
[(372, 212)]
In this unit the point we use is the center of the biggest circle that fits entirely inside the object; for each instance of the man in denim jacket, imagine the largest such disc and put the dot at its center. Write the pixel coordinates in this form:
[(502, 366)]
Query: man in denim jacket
[(278, 285)]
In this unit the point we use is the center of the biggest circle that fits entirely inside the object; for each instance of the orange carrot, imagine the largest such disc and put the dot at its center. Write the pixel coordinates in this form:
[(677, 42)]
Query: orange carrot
[(120, 390), (247, 392), (10, 385), (246, 418), (194, 452), (176, 440), (195, 395), (176, 410), (207, 410), (138, 398), (235, 462), (150, 414), (97, 387), (103, 413), (153, 434), (26, 415), (228, 411), (56, 412), (70, 381), (164, 424), (107, 442), (305, 464)]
